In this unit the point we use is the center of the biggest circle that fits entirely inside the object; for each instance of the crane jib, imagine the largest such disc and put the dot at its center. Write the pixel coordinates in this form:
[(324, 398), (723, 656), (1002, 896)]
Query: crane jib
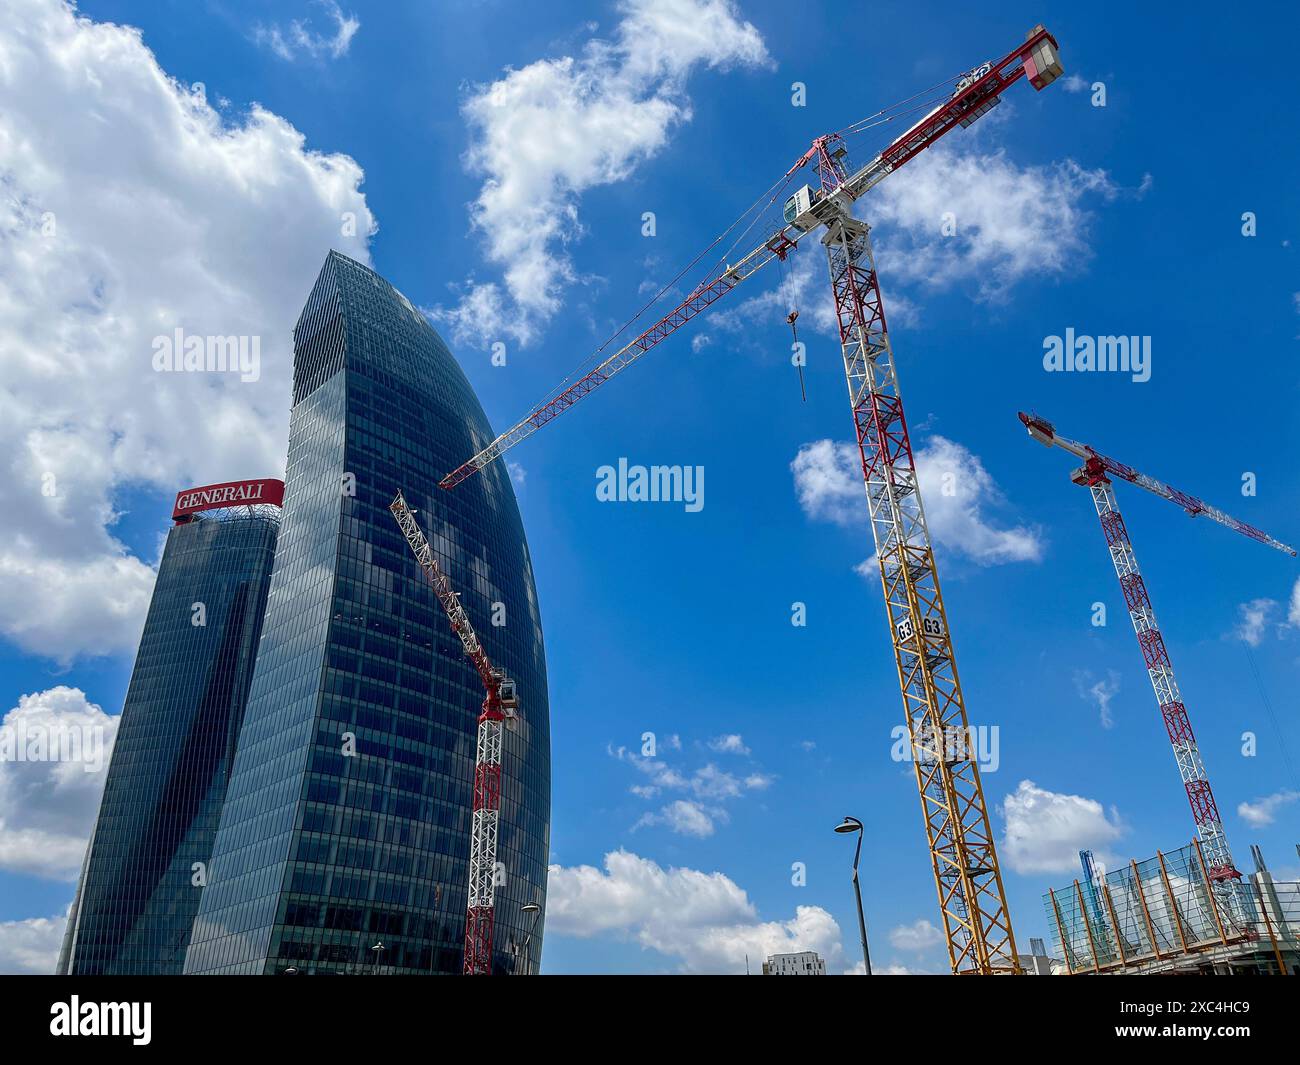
[(1035, 58)]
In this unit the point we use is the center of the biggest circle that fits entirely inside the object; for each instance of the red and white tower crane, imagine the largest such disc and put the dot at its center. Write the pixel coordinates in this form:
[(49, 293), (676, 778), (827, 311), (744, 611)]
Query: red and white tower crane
[(1095, 474), (972, 902), (500, 704)]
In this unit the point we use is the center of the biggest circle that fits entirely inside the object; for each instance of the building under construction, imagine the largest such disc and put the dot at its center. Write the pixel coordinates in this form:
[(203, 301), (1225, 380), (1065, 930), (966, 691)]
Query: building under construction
[(1167, 915)]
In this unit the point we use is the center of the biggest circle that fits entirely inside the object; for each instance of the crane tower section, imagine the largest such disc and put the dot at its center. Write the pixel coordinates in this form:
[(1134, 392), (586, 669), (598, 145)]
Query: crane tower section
[(969, 881), (500, 704), (1205, 812)]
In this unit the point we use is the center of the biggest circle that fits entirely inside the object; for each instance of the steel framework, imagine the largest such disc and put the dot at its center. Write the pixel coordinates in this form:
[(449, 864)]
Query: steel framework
[(964, 859), (1094, 475), (500, 703), (967, 875)]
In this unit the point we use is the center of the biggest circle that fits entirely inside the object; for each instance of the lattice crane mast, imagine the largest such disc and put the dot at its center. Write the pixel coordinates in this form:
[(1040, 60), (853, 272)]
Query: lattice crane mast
[(500, 704), (1096, 475), (972, 903)]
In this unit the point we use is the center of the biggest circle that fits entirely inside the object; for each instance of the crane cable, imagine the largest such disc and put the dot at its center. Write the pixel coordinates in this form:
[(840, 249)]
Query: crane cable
[(787, 283), (875, 119)]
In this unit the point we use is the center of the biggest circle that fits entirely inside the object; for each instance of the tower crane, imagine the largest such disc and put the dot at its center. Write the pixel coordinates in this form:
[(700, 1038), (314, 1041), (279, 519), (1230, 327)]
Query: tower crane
[(976, 921), (1096, 475), (500, 704)]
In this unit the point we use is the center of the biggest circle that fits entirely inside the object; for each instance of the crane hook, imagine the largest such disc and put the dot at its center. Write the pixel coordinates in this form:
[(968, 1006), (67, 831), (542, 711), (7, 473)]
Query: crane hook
[(792, 317)]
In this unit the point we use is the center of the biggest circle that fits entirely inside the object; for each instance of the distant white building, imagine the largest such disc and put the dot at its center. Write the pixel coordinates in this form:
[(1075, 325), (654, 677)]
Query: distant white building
[(805, 963), (1039, 963)]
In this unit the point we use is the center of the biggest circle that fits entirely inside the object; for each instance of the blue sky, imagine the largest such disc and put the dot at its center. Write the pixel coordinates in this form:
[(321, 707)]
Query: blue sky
[(506, 155)]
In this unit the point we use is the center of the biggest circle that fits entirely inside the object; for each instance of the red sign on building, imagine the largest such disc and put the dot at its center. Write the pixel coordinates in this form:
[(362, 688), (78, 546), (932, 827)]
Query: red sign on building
[(228, 494)]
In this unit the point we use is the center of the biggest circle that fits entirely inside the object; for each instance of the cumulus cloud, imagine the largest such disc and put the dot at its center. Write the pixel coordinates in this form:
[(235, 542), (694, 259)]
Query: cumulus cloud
[(957, 490), (1011, 222), (703, 921), (30, 947), (300, 39), (549, 131), (1046, 830), (47, 807), (1263, 811), (828, 482), (1293, 606), (132, 209)]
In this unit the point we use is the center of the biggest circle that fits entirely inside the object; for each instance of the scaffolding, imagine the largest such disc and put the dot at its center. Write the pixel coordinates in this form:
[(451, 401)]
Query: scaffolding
[(1163, 914)]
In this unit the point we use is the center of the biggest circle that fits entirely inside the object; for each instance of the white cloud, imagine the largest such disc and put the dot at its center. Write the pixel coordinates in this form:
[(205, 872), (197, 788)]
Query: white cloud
[(1046, 830), (685, 818), (1253, 618), (1293, 606), (918, 936), (710, 782), (30, 947), (706, 789), (704, 921), (955, 486), (131, 209), (660, 773), (1101, 691), (828, 482), (545, 133), (299, 39), (1074, 83), (47, 808), (731, 743), (1012, 222), (517, 473), (1262, 812)]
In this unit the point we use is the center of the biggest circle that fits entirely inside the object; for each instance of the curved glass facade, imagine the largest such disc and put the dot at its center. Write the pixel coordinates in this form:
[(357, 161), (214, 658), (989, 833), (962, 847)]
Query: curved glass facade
[(346, 822), (143, 874)]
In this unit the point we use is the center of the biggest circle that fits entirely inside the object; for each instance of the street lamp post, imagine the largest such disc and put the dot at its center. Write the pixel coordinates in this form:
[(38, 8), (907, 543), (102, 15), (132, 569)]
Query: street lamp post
[(852, 824), (535, 910), (378, 948)]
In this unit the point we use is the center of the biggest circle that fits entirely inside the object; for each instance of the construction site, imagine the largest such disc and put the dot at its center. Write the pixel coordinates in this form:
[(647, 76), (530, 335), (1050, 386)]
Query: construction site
[(1188, 910), (1166, 915)]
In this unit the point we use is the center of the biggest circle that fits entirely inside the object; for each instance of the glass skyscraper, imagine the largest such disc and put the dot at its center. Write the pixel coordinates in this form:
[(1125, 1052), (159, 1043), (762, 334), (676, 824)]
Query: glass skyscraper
[(346, 821), (145, 866)]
